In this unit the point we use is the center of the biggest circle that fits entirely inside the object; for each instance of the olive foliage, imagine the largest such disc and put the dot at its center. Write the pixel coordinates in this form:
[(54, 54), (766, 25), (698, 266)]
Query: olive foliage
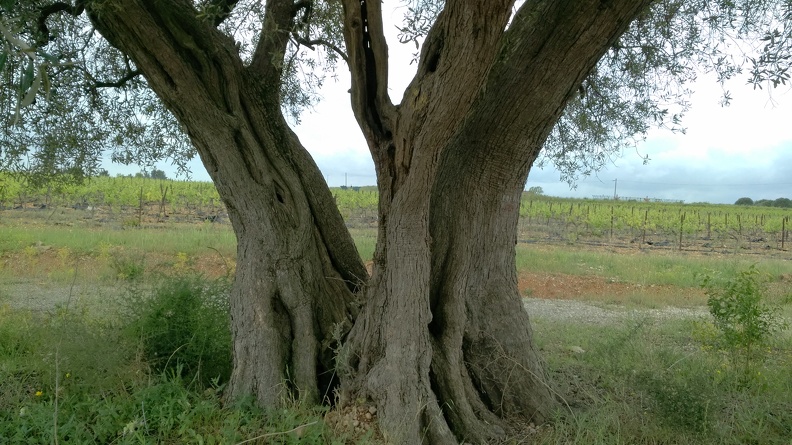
[(68, 99), (645, 79)]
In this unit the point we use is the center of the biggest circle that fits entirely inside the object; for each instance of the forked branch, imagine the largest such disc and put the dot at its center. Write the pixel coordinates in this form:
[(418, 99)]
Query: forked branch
[(305, 7), (120, 82), (44, 33), (368, 63), (95, 83), (313, 42)]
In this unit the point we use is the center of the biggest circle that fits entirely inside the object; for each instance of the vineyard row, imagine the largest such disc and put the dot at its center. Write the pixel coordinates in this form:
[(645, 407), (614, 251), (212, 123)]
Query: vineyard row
[(540, 216)]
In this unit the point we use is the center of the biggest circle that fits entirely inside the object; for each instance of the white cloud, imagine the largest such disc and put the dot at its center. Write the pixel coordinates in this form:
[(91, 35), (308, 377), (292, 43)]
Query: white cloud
[(727, 152)]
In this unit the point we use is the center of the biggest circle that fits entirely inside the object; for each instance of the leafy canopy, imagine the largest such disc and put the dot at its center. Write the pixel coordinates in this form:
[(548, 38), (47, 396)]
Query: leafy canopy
[(67, 98)]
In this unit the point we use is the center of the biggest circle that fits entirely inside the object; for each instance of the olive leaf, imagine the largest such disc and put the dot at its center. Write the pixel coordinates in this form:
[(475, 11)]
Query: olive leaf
[(30, 96)]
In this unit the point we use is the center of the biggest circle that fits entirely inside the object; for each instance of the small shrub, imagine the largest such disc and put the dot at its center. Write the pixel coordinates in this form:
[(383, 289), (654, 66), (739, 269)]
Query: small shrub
[(743, 321), (130, 223), (183, 263), (128, 267), (184, 328), (681, 399)]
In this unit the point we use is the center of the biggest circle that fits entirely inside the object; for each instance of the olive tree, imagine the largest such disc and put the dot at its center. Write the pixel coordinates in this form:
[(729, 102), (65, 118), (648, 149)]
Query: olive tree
[(436, 336)]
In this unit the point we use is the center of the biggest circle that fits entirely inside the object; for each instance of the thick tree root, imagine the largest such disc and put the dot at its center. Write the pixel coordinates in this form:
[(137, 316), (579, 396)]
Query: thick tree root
[(457, 387)]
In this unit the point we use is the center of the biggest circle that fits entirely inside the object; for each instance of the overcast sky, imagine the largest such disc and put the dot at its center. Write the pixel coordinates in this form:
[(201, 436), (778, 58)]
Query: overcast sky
[(727, 152)]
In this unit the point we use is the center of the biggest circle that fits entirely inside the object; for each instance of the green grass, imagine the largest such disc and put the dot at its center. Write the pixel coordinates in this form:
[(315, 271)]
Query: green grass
[(666, 269), (183, 327), (36, 251), (366, 242), (187, 238), (70, 377), (644, 382), (626, 266), (639, 381)]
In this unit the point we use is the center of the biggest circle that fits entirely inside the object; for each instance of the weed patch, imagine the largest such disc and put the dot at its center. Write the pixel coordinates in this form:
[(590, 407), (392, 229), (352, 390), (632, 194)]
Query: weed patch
[(183, 327), (128, 266), (647, 382), (68, 377), (745, 324), (683, 398)]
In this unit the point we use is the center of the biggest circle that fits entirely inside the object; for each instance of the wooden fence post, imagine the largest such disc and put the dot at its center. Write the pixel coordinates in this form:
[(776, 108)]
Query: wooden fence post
[(611, 225), (643, 229), (140, 208), (681, 226)]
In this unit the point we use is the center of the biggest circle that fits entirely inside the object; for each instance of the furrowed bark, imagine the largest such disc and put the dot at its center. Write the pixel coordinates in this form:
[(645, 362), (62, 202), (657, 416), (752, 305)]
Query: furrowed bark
[(476, 199), (298, 270), (444, 346), (389, 349)]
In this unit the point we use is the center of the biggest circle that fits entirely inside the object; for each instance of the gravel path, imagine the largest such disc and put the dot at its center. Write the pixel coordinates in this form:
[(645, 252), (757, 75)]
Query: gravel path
[(40, 296), (44, 296), (564, 310)]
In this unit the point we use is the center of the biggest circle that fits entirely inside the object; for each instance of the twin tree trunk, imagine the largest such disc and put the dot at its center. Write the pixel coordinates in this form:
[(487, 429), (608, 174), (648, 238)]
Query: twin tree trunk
[(443, 344), (437, 337)]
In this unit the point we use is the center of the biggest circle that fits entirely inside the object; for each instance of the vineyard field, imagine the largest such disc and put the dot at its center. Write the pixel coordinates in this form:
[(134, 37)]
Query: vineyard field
[(114, 195), (717, 227), (138, 201)]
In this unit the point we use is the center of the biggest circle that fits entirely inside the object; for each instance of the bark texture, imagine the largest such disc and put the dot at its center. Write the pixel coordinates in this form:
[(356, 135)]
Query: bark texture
[(443, 345), (298, 270)]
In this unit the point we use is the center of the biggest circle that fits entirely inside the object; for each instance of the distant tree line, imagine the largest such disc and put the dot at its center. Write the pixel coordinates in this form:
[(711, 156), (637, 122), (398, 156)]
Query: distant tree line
[(153, 174), (780, 202)]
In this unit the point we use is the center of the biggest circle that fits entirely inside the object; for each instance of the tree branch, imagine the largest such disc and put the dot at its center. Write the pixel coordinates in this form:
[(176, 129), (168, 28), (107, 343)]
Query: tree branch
[(368, 64), (311, 43), (307, 5), (302, 4), (118, 83), (54, 8), (269, 54), (455, 59), (75, 10), (527, 88), (304, 24)]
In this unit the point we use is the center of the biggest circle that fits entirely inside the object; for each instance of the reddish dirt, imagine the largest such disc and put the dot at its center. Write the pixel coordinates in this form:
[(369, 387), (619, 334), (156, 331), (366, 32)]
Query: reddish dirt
[(37, 262), (589, 287), (582, 287)]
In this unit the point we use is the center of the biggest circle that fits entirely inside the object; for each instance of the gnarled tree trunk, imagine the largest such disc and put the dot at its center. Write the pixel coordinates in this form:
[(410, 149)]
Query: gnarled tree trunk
[(298, 271), (443, 345)]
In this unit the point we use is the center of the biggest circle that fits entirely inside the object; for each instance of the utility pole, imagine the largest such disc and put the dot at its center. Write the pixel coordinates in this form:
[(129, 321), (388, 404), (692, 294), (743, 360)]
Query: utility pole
[(345, 180), (615, 182)]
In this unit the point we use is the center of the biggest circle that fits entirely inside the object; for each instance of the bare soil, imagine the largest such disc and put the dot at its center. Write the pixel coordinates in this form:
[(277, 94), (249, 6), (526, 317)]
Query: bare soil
[(45, 280), (576, 287), (42, 278)]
